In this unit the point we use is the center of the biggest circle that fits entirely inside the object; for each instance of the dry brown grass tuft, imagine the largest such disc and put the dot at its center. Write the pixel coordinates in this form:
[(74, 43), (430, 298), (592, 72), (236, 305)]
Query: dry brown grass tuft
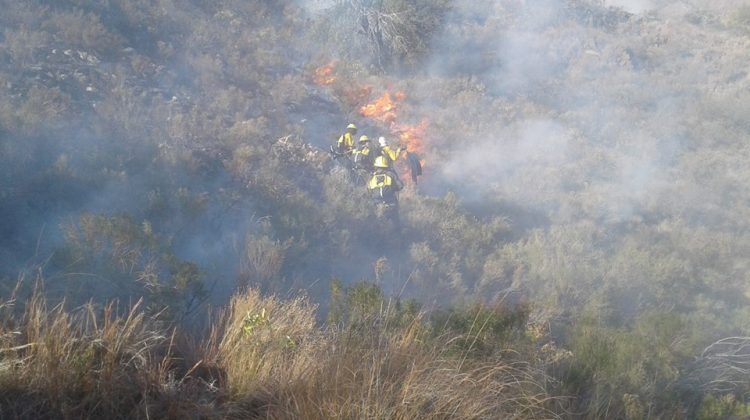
[(264, 358), (261, 340), (398, 375), (280, 366), (86, 362)]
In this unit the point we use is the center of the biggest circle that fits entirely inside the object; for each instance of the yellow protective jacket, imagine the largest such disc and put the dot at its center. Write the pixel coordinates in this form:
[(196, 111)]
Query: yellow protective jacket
[(383, 186), (380, 180), (362, 158), (390, 154), (345, 143)]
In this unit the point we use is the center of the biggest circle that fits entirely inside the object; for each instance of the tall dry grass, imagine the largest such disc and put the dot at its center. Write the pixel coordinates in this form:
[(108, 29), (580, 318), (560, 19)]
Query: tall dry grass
[(280, 365), (88, 362), (264, 358)]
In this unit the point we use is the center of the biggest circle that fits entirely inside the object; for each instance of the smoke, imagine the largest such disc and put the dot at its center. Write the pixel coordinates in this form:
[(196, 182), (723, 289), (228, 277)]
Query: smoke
[(513, 161), (315, 7), (590, 106), (572, 110), (632, 6)]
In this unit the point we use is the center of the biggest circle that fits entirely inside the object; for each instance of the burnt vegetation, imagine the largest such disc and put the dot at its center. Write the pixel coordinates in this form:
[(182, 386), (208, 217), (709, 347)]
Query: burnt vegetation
[(177, 242)]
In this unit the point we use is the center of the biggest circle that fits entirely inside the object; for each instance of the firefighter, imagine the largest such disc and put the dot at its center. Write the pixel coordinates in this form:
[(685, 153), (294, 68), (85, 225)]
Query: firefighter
[(345, 144), (387, 152), (363, 155), (384, 183)]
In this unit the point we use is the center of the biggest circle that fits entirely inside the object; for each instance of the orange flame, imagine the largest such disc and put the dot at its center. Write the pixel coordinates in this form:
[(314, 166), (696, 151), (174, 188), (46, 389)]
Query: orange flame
[(412, 136), (323, 76), (384, 108)]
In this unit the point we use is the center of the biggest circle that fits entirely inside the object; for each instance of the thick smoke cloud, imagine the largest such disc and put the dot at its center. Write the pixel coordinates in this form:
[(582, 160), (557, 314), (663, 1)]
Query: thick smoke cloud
[(607, 126), (497, 160)]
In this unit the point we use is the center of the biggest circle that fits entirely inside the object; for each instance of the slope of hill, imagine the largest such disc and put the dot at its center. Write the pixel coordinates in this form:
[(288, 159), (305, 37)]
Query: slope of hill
[(581, 225)]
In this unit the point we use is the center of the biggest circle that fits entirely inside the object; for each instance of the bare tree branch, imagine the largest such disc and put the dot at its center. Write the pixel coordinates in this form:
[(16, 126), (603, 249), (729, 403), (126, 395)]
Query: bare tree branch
[(724, 366)]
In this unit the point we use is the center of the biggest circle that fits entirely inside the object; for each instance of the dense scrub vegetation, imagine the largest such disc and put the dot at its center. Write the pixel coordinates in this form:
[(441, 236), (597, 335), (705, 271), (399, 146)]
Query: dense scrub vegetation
[(577, 248)]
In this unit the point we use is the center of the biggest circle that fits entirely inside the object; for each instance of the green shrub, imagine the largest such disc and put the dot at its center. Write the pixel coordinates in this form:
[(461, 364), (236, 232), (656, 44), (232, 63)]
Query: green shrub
[(625, 371), (117, 257), (83, 31), (483, 331), (363, 306), (723, 407)]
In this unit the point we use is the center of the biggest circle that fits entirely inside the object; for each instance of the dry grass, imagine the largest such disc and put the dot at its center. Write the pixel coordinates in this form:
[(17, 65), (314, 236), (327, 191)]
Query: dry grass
[(400, 378), (279, 365), (85, 363), (264, 358), (260, 340)]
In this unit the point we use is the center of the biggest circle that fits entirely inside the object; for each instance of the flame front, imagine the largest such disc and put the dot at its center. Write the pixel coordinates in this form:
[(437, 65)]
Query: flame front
[(383, 109), (323, 76), (412, 136)]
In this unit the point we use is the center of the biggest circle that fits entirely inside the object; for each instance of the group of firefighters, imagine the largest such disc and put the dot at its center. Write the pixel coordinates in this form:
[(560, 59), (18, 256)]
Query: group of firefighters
[(373, 163)]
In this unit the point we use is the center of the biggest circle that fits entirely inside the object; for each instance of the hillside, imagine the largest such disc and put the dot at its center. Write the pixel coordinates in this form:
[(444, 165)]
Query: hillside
[(575, 248)]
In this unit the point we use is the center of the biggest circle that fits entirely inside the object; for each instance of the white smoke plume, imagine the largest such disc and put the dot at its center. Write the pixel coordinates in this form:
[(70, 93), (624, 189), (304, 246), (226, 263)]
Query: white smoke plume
[(594, 103)]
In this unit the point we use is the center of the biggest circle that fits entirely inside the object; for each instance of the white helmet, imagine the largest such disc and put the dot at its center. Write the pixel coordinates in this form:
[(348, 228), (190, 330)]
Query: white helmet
[(382, 141)]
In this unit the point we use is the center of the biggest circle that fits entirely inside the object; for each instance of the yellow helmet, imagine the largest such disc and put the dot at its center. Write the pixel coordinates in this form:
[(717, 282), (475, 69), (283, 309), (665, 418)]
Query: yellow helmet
[(351, 127), (380, 162), (364, 138)]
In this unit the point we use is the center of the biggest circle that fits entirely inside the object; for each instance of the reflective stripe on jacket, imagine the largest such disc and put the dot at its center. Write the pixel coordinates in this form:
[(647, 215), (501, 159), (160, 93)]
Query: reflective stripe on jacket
[(380, 181)]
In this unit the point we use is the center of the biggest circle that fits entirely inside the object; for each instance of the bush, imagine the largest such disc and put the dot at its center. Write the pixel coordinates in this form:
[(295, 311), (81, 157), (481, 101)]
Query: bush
[(625, 371), (83, 31), (723, 407), (394, 33), (124, 259), (483, 331)]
